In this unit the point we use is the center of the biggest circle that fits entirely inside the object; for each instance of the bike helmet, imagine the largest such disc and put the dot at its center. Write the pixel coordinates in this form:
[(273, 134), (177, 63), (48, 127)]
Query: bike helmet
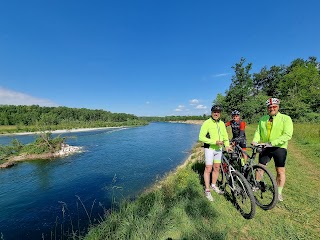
[(216, 108), (272, 101), (235, 112)]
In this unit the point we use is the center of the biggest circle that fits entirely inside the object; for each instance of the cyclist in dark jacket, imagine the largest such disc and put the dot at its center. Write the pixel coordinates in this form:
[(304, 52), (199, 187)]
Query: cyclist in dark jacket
[(238, 131)]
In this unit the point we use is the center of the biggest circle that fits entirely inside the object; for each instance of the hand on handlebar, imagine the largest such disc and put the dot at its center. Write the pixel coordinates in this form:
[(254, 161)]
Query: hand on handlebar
[(229, 148), (219, 143), (254, 143), (268, 144), (265, 145)]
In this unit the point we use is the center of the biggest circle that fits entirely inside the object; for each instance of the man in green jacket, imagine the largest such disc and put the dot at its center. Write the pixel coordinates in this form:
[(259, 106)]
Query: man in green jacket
[(274, 129), (214, 134)]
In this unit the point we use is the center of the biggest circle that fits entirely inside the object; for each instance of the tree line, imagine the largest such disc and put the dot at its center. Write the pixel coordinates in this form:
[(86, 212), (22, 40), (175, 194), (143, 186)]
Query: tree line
[(38, 118), (296, 85)]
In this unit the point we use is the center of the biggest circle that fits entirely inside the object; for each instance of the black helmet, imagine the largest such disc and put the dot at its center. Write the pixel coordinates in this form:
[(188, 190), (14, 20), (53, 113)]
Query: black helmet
[(216, 108)]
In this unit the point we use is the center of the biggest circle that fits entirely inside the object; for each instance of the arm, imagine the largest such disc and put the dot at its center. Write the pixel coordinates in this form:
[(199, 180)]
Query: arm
[(203, 134), (242, 130), (225, 137), (256, 136), (286, 134)]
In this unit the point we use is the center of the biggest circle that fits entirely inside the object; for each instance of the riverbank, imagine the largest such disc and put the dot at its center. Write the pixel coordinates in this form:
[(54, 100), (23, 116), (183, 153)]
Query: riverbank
[(199, 122)]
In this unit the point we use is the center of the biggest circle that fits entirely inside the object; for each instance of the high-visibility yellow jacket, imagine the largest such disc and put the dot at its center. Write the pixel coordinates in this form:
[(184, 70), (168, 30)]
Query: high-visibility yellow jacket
[(281, 131), (216, 131)]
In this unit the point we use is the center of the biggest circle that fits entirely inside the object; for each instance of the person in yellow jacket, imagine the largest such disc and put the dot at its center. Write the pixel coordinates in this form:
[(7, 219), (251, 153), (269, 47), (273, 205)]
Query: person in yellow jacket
[(214, 134), (274, 129)]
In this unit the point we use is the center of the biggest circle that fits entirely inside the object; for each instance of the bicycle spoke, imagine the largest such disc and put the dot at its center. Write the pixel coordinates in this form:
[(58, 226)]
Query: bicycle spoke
[(243, 197), (263, 186)]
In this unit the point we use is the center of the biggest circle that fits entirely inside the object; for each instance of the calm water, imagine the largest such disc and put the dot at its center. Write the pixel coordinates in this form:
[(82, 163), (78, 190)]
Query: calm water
[(38, 198)]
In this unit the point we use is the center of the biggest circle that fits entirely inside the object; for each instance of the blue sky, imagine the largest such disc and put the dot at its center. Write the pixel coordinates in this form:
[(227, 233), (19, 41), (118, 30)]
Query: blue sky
[(144, 57)]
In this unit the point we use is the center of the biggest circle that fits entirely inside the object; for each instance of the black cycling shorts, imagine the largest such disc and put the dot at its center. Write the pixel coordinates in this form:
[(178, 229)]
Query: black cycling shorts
[(242, 142), (279, 156)]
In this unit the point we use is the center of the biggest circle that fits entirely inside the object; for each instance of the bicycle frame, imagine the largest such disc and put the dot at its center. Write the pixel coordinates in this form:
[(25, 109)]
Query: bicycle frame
[(227, 170), (251, 158)]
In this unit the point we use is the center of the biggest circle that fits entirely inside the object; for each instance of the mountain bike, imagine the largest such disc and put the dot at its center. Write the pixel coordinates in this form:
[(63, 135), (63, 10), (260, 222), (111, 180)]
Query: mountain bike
[(241, 191), (263, 183)]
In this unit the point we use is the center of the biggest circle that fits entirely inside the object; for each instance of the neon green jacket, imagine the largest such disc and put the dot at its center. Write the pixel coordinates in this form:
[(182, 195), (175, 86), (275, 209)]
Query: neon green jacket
[(217, 131), (281, 132)]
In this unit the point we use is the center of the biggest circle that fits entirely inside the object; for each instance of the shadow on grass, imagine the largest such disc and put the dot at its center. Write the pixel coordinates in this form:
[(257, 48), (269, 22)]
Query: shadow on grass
[(199, 167)]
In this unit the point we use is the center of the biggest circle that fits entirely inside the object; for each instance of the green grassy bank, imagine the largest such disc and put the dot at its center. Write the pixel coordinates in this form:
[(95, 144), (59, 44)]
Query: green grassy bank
[(175, 208)]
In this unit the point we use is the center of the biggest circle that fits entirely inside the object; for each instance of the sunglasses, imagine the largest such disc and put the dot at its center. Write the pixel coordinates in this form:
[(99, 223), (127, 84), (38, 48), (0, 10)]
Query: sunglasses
[(272, 107)]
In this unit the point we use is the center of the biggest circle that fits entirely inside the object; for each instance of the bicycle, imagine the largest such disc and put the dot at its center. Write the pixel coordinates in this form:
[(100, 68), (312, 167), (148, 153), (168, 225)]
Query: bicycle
[(263, 184), (241, 190)]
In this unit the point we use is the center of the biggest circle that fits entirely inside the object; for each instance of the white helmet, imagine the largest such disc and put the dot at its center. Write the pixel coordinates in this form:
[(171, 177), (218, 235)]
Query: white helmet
[(272, 101), (235, 112)]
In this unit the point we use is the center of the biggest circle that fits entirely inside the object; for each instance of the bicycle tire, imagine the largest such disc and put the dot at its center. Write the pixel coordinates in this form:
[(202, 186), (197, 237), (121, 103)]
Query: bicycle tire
[(221, 179), (242, 190), (265, 190)]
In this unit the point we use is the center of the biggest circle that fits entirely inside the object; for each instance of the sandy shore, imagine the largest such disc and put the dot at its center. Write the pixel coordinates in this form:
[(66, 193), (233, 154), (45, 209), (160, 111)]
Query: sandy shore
[(199, 122), (61, 131)]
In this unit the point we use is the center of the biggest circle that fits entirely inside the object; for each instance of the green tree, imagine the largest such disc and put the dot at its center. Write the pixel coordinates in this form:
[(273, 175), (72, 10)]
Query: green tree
[(302, 83), (241, 87), (268, 80)]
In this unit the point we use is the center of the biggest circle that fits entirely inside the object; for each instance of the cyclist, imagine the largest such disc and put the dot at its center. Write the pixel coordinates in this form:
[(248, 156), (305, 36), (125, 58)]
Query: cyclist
[(238, 131), (214, 134), (274, 129)]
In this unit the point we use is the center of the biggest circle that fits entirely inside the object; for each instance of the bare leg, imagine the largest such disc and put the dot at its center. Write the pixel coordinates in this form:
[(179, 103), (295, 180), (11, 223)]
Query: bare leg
[(215, 173), (206, 176), (259, 173), (281, 176)]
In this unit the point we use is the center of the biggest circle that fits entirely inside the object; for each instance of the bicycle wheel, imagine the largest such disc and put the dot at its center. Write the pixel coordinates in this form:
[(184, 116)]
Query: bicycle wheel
[(243, 195), (221, 179), (264, 186)]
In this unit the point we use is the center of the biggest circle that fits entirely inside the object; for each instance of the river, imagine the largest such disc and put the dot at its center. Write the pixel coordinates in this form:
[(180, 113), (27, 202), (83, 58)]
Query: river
[(45, 199)]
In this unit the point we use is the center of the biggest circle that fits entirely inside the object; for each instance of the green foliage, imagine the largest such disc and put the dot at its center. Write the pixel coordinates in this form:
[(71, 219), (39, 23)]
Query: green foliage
[(13, 149), (47, 118), (44, 143), (267, 80), (297, 86), (241, 86)]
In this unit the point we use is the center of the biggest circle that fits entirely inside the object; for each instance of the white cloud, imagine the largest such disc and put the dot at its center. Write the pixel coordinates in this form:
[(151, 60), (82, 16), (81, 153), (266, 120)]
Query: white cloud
[(220, 75), (200, 106), (180, 108), (9, 97), (194, 102)]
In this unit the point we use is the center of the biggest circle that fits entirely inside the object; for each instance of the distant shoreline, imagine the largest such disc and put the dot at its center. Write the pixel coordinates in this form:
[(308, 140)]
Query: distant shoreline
[(61, 131), (198, 122)]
